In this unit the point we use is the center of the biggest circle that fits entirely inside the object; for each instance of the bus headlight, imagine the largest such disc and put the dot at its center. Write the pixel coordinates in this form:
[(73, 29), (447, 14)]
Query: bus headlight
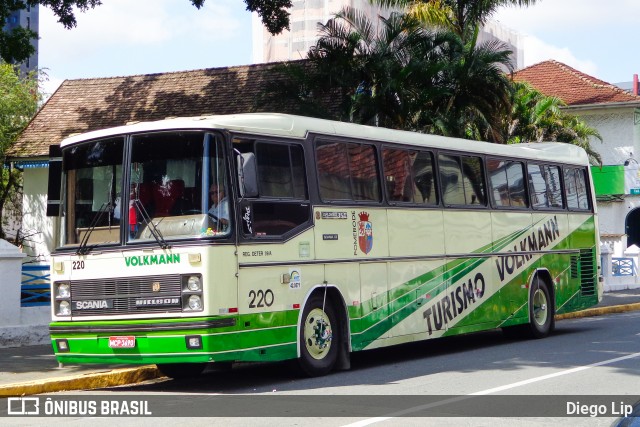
[(192, 290), (64, 308), (63, 291), (195, 302), (194, 284)]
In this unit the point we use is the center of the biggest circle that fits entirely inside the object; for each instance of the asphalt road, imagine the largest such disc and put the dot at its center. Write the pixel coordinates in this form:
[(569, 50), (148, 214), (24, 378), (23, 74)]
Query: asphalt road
[(598, 357)]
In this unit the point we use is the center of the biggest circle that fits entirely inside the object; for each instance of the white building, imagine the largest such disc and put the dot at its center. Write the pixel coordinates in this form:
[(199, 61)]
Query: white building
[(615, 113)]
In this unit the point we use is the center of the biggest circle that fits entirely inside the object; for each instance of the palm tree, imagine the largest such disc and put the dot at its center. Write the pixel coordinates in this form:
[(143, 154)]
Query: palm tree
[(395, 70), (536, 118), (388, 77), (403, 76), (463, 17), (479, 94)]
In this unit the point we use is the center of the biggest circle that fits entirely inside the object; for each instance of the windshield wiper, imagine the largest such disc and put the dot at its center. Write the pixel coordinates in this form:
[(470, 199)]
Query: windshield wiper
[(150, 225), (84, 249)]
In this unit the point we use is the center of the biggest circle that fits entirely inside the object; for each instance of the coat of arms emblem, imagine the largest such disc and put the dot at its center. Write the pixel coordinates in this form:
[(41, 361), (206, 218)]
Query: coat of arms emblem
[(365, 233)]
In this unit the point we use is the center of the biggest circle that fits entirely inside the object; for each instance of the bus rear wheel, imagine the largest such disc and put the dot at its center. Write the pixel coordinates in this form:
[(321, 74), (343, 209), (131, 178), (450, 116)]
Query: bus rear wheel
[(319, 337), (541, 312), (181, 370)]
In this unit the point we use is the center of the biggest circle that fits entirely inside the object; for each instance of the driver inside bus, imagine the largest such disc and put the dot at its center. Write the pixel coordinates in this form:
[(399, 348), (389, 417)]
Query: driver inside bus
[(219, 210)]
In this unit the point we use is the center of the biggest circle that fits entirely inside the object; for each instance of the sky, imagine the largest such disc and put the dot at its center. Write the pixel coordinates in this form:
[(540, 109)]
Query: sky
[(124, 37)]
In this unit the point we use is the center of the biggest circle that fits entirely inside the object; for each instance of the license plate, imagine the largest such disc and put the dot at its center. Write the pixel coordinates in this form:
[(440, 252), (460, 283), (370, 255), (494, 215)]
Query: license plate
[(122, 342)]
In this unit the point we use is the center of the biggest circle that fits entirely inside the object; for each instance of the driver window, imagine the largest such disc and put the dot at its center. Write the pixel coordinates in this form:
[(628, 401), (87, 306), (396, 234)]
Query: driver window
[(282, 202)]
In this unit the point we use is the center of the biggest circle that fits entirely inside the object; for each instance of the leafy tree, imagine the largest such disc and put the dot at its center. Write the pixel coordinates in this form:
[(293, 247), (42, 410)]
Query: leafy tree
[(402, 76), (385, 77), (15, 45), (536, 117), (463, 17), (19, 99), (478, 94), (357, 74)]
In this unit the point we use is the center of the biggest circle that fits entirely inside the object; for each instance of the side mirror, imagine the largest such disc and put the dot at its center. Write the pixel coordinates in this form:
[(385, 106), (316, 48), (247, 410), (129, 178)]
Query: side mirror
[(247, 174)]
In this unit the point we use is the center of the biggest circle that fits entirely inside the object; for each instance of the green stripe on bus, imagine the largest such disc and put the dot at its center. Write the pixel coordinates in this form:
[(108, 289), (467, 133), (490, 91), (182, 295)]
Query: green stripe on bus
[(375, 323)]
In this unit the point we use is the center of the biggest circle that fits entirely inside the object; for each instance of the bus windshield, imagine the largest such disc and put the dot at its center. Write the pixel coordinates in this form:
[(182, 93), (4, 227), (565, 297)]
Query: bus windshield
[(177, 189)]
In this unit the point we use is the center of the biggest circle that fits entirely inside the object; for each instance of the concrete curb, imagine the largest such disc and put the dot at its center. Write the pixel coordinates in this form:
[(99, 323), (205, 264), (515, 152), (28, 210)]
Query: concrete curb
[(599, 311), (140, 374), (82, 382)]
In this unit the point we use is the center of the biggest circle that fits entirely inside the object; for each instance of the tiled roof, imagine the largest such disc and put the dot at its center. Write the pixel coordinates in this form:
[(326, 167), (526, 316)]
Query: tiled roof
[(90, 104), (554, 78)]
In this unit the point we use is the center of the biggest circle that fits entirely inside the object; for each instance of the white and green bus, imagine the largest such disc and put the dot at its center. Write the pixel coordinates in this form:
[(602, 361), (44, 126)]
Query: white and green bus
[(264, 237)]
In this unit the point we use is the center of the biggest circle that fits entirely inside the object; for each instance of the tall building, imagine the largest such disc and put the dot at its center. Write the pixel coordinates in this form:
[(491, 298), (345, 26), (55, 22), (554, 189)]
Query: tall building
[(26, 18), (303, 23), (306, 14), (495, 31)]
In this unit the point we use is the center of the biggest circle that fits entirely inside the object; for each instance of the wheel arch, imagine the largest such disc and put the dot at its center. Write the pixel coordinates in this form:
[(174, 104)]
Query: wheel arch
[(334, 296), (545, 275)]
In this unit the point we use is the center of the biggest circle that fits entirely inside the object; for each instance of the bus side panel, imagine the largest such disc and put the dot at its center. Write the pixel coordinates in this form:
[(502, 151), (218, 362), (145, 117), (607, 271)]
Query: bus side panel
[(338, 232), (551, 229), (582, 288), (270, 297), (375, 305), (469, 237), (365, 321), (412, 286), (511, 273), (346, 237), (415, 232)]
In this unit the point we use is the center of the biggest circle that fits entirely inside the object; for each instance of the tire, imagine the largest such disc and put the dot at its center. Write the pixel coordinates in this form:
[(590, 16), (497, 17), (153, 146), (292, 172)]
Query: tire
[(541, 311), (181, 370), (319, 337)]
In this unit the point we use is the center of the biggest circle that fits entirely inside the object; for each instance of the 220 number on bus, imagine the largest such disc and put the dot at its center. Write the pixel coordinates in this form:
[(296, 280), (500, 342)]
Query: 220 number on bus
[(261, 298)]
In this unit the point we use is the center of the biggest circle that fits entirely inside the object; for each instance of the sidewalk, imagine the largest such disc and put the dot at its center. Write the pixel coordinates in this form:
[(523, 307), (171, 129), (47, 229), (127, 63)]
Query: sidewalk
[(34, 369)]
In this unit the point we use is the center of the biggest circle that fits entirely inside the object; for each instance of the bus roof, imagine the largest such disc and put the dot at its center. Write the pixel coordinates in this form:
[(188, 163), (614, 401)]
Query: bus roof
[(291, 126)]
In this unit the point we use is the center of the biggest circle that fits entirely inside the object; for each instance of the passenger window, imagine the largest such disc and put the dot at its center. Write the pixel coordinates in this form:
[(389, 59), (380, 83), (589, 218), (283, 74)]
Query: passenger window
[(575, 186), (281, 171), (347, 171), (462, 180), (408, 176), (507, 183), (554, 187), (545, 185), (473, 181)]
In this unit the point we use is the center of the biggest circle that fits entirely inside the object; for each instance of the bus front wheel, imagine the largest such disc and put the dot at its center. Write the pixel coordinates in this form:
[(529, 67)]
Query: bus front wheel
[(541, 312), (319, 336)]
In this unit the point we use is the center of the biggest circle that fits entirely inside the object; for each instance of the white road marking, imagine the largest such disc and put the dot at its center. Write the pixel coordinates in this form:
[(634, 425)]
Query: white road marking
[(370, 421)]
